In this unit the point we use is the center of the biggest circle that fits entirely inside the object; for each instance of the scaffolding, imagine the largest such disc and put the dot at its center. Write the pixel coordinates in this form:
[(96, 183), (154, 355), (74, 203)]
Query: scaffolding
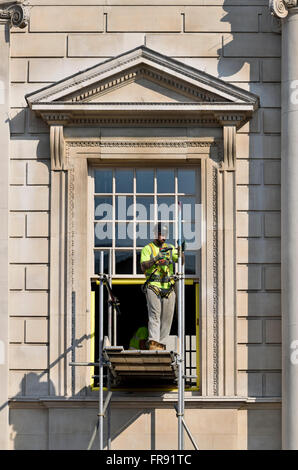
[(162, 366)]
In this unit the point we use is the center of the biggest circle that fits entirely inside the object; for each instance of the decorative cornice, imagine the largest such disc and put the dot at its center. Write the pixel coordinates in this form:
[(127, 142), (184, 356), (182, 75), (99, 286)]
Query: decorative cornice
[(280, 8), (142, 144), (16, 14)]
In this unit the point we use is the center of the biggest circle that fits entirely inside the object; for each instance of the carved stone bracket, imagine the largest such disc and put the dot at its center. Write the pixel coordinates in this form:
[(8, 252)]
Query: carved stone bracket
[(280, 8), (57, 146), (229, 148), (16, 14)]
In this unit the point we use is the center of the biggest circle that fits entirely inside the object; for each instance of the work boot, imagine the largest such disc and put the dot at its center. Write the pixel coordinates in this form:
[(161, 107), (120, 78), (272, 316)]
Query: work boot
[(155, 346)]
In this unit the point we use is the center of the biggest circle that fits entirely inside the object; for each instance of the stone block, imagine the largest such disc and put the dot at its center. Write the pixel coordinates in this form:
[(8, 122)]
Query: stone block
[(36, 125), (269, 93), (28, 303), (66, 19), (16, 383), (38, 173), (217, 19), (257, 304), (231, 70), (37, 224), (28, 357), (17, 172), (36, 331), (251, 45), (37, 278), (52, 70), (258, 146), (249, 331), (258, 250), (32, 422), (272, 225), (271, 70), (249, 172), (28, 198), (272, 121), (16, 330), (18, 92), (249, 224), (258, 357), (260, 198), (30, 147), (273, 384), (17, 121), (144, 18), (38, 45), (38, 385), (105, 45), (272, 277), (249, 277), (273, 331), (16, 225), (18, 70), (187, 45), (264, 429), (272, 172), (249, 384), (30, 250), (16, 277)]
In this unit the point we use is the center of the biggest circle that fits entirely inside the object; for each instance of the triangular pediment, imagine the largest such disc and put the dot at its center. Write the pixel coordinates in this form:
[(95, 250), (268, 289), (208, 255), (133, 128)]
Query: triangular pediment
[(142, 80)]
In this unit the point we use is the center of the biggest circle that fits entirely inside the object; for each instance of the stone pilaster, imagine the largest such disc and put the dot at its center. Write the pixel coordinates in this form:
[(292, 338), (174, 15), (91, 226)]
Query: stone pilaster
[(289, 221)]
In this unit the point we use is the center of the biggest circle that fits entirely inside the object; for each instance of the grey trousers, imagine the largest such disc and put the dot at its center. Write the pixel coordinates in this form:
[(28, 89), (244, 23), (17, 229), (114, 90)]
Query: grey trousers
[(160, 316)]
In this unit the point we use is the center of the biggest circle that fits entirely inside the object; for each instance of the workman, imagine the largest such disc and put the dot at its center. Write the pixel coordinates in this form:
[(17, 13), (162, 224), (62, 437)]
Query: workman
[(157, 262), (139, 339)]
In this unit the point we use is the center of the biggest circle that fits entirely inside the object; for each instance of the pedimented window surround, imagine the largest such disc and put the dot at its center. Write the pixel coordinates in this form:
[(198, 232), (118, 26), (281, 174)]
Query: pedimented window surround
[(150, 95)]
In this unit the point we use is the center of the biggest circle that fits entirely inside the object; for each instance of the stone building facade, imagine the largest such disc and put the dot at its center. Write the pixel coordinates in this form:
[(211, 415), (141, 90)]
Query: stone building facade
[(123, 84)]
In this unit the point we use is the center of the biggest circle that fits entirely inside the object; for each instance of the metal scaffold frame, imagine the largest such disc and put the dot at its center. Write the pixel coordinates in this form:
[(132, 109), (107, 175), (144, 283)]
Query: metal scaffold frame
[(103, 360)]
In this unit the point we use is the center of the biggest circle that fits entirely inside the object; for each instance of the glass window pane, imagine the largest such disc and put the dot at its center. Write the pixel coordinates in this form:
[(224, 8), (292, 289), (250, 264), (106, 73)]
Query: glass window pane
[(143, 233), (191, 233), (145, 208), (124, 181), (188, 207), (124, 234), (138, 270), (172, 234), (103, 208), (145, 181), (124, 207), (124, 262), (186, 181), (165, 181), (166, 208), (103, 181), (103, 234), (97, 262), (190, 262)]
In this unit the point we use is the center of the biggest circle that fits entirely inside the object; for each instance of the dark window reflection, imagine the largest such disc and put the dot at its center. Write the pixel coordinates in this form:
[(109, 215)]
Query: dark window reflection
[(145, 208), (190, 262), (124, 207), (103, 181), (166, 208), (186, 181), (145, 181), (103, 234), (124, 234), (124, 262), (165, 181), (103, 208), (124, 181), (97, 262)]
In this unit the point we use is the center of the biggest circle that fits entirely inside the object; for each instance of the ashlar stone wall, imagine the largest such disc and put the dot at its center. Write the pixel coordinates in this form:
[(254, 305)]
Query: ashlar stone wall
[(235, 40)]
